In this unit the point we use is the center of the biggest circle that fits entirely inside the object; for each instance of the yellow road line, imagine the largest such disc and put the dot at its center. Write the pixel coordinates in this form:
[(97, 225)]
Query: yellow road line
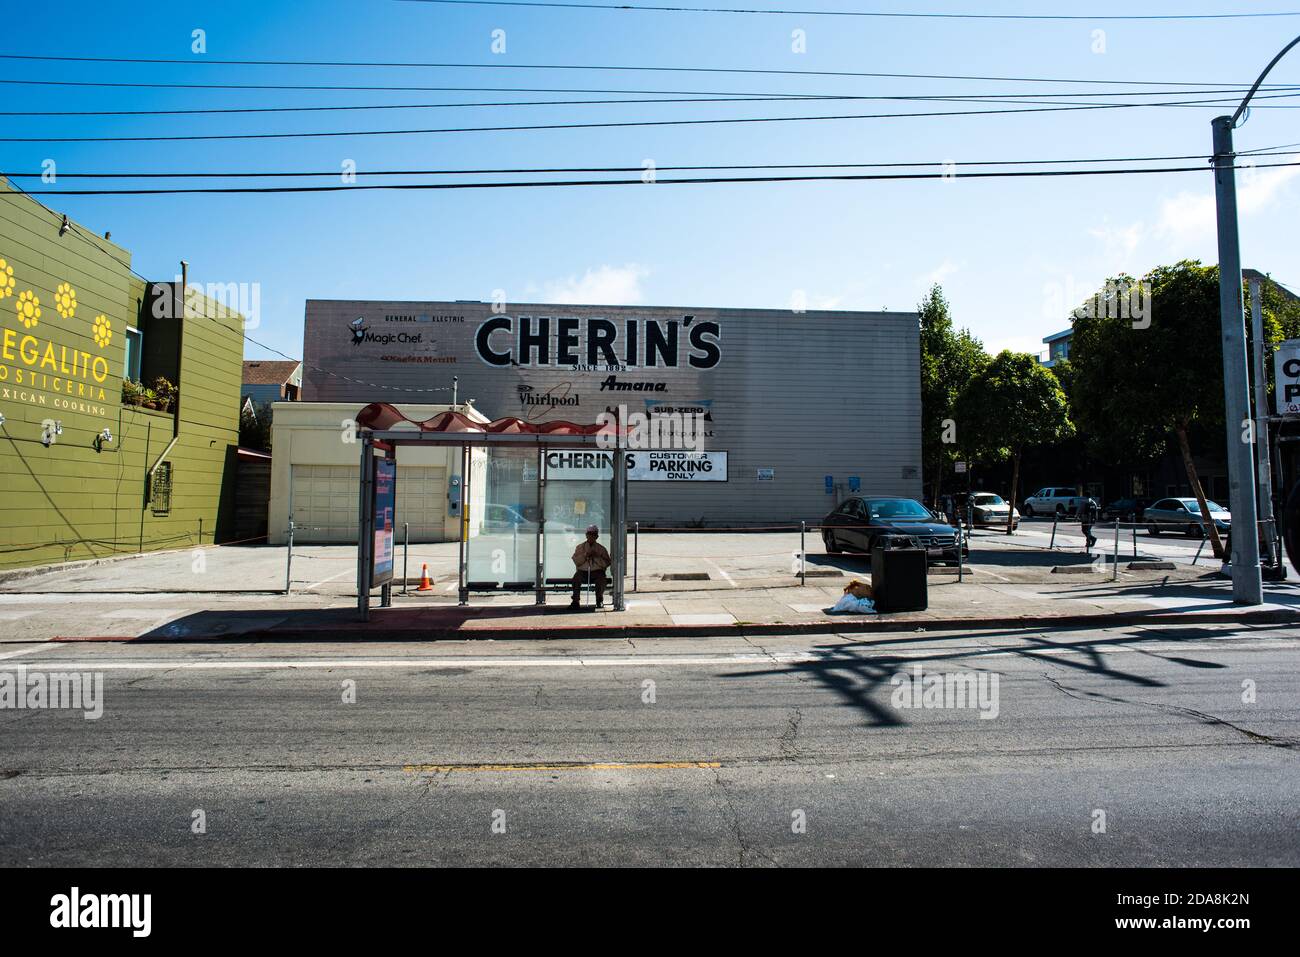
[(577, 766)]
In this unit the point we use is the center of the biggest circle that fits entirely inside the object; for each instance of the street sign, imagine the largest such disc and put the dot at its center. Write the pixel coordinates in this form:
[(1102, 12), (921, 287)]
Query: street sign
[(961, 467), (1286, 375)]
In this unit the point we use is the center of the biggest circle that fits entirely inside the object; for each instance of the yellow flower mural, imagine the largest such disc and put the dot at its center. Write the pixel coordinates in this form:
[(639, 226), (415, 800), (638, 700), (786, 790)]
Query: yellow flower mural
[(29, 308), (103, 331), (65, 300), (6, 279)]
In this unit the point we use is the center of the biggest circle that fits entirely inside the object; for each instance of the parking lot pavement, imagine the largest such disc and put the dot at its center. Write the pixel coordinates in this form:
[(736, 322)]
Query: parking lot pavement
[(1037, 533), (697, 582)]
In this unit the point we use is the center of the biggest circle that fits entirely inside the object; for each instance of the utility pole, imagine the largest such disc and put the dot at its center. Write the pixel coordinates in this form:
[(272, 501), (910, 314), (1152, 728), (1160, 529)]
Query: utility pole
[(1247, 586)]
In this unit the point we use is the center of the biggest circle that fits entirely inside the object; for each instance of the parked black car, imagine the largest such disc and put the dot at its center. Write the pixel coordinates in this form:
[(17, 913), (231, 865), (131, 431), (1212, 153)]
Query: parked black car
[(858, 522), (1125, 509)]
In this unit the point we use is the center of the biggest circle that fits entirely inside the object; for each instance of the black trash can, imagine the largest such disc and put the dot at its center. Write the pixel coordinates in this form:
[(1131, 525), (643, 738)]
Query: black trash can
[(898, 571)]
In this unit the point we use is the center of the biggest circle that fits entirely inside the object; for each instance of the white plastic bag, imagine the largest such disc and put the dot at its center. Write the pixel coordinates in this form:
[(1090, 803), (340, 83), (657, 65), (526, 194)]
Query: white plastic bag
[(854, 606)]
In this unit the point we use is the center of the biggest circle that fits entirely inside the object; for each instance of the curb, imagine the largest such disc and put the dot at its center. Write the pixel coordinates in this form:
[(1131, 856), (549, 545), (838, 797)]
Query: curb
[(738, 630)]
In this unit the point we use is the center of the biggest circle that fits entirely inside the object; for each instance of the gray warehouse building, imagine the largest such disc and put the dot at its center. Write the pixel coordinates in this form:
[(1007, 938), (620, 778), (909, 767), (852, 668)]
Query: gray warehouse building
[(799, 409)]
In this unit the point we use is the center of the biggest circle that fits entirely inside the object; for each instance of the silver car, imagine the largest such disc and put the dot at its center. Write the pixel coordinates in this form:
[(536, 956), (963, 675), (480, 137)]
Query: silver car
[(990, 509), (1184, 515)]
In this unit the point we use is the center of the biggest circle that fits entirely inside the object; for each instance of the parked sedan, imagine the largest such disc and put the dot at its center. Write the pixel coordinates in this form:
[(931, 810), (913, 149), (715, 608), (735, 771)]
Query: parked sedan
[(1184, 515), (858, 522), (1125, 509), (990, 509)]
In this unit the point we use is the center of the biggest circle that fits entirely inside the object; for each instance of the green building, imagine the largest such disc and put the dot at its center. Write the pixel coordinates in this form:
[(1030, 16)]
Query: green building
[(89, 468)]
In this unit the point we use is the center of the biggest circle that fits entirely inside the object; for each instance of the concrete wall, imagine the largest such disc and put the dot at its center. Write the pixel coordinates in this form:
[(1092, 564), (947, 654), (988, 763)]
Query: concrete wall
[(803, 395), (72, 500)]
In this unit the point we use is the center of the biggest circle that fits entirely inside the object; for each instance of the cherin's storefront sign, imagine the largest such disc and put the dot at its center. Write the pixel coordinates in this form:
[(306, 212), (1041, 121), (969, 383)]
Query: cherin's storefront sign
[(37, 370)]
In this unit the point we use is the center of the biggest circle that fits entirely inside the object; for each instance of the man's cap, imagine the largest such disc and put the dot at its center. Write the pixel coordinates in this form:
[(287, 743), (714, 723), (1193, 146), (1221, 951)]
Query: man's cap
[(592, 528)]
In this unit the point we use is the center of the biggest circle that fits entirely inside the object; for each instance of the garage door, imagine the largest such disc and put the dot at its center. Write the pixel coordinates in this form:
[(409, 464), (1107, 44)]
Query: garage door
[(324, 503)]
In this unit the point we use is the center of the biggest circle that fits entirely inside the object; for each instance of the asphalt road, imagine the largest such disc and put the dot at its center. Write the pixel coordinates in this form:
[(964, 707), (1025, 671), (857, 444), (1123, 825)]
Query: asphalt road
[(558, 746)]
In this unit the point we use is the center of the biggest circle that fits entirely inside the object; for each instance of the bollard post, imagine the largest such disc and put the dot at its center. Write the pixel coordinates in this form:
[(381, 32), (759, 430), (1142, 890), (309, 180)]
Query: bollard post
[(803, 566), (406, 555), (200, 529), (961, 565), (288, 562), (636, 551), (1135, 539), (1052, 544), (1114, 574)]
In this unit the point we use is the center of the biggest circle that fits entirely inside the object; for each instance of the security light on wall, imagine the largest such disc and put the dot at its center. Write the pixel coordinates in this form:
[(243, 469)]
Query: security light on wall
[(50, 431), (65, 225), (102, 438)]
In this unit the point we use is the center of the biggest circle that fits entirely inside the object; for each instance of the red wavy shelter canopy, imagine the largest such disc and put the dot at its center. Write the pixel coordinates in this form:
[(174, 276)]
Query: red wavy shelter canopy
[(381, 417)]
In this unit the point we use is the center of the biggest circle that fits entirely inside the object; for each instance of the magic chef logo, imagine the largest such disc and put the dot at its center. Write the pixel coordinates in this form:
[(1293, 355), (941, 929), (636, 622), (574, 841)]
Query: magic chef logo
[(361, 333), (597, 342)]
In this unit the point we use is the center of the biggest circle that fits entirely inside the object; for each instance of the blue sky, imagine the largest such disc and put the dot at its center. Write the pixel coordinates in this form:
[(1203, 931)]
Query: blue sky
[(1013, 255)]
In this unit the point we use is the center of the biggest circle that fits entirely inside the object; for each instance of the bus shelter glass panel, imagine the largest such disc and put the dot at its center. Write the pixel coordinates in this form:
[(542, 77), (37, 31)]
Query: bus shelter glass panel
[(577, 494), (502, 547)]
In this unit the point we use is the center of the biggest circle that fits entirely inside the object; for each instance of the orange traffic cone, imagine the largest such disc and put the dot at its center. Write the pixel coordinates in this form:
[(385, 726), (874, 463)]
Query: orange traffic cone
[(425, 584)]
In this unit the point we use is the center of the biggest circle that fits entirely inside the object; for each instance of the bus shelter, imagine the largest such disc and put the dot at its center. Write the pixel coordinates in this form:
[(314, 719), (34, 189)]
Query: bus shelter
[(538, 486)]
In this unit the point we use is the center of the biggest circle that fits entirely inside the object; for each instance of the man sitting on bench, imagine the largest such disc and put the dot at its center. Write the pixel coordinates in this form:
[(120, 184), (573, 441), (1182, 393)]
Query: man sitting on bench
[(591, 559)]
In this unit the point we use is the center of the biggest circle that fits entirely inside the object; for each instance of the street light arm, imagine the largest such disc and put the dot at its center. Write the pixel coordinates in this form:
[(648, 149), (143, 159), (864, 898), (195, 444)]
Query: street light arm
[(1272, 63)]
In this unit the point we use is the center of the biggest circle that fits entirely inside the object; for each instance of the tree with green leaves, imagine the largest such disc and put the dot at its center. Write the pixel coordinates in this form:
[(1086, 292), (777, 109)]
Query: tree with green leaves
[(1011, 404), (1136, 384), (255, 427), (949, 358)]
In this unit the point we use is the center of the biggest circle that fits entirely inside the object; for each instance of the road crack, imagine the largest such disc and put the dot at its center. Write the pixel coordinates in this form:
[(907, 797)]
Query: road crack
[(733, 824), (1254, 736)]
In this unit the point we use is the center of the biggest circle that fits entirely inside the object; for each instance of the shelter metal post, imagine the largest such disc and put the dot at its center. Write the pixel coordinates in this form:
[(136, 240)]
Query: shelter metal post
[(539, 547), (619, 531), (466, 460), (365, 527)]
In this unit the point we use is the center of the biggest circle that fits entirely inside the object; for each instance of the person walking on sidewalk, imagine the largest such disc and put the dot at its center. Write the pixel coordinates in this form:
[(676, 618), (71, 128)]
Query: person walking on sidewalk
[(590, 559), (1088, 514)]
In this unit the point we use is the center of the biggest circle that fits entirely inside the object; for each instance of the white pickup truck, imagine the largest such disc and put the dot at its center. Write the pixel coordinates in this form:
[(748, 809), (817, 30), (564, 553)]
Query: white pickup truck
[(1053, 499)]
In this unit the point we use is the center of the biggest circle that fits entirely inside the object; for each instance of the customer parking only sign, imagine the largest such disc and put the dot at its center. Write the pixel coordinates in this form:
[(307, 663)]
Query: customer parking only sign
[(1286, 375)]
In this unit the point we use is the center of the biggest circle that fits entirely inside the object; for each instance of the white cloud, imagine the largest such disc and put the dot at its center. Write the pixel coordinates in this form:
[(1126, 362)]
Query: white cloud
[(942, 272), (1119, 240), (1190, 214), (603, 286)]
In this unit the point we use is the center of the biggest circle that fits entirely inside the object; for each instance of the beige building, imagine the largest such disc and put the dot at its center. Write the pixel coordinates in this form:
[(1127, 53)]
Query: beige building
[(315, 474)]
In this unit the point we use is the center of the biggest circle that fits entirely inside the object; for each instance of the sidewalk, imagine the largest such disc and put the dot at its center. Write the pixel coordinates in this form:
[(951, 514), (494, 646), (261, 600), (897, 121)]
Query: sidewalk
[(695, 612)]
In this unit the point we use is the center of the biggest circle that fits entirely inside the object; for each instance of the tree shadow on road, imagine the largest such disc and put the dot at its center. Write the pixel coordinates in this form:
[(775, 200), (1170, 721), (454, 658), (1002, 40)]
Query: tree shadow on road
[(862, 681)]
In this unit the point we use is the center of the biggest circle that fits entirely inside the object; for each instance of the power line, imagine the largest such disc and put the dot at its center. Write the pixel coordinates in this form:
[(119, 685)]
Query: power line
[(686, 98), (78, 232), (194, 137), (854, 13), (1282, 150), (1005, 174), (403, 64), (1233, 88)]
